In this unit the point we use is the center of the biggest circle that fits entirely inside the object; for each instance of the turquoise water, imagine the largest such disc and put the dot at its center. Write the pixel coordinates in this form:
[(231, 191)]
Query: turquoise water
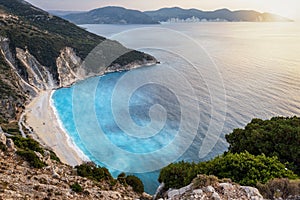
[(141, 120)]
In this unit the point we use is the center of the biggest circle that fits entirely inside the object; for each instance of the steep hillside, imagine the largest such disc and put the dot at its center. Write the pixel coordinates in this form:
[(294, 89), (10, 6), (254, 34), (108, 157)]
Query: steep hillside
[(41, 51), (110, 15), (29, 171)]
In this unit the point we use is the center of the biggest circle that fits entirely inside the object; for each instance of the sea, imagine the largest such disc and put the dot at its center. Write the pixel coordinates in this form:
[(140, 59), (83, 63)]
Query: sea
[(211, 79)]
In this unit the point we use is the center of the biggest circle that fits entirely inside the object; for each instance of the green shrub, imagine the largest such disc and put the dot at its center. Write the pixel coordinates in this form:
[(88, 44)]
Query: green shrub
[(28, 144), (122, 178), (243, 168), (177, 175), (276, 137), (53, 156), (31, 158), (91, 171), (136, 184), (3, 147), (76, 187)]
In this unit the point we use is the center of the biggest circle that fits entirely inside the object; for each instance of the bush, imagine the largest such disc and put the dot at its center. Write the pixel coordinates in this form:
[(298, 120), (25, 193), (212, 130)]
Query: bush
[(177, 175), (279, 188), (136, 184), (203, 180), (91, 171), (53, 156), (28, 144), (3, 147), (122, 178), (243, 168), (276, 137), (31, 158), (76, 187)]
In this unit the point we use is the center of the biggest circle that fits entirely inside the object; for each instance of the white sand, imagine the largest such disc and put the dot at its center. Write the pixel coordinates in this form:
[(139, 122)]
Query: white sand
[(41, 117)]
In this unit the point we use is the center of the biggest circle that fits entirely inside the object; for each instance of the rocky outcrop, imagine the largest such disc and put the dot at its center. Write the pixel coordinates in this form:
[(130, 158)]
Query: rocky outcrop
[(210, 188), (67, 66), (13, 89), (72, 68), (37, 75), (11, 61), (20, 181)]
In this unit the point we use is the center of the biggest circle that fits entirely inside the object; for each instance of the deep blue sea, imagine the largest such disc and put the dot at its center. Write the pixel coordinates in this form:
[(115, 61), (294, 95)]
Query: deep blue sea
[(213, 77)]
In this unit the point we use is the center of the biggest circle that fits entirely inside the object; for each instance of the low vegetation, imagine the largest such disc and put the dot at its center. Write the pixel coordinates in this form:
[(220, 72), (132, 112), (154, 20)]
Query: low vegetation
[(91, 171), (242, 168), (27, 144), (76, 187), (26, 148), (94, 172), (264, 154), (136, 184), (31, 158)]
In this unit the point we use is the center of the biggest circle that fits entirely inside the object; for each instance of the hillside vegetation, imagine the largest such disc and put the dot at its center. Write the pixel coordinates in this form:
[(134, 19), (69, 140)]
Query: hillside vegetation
[(278, 136), (44, 36), (263, 151)]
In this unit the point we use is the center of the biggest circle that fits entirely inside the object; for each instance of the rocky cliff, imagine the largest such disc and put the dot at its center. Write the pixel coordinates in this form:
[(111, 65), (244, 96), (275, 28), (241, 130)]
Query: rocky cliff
[(19, 180), (39, 51)]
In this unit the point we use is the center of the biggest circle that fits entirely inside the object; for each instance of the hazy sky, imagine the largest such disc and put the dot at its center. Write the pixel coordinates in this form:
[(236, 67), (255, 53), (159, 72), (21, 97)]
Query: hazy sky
[(287, 8)]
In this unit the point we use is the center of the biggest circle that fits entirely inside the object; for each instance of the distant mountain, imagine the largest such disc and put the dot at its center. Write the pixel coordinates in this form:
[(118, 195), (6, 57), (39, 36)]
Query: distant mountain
[(60, 13), (111, 15), (179, 14), (119, 15)]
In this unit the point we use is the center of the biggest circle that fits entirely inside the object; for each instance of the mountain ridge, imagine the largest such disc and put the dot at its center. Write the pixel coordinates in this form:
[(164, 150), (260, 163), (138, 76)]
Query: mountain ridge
[(166, 14), (107, 15), (111, 14)]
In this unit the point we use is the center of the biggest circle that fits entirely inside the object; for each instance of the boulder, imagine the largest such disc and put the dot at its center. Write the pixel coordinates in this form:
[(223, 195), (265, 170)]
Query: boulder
[(252, 193), (47, 158), (209, 188), (10, 145), (2, 137)]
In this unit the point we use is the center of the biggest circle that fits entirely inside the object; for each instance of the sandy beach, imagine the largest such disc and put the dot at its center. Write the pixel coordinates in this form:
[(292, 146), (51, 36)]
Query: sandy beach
[(41, 117)]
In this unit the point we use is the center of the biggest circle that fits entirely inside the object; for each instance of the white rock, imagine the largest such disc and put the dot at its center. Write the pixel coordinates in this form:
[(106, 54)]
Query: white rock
[(209, 189), (185, 189), (252, 193), (2, 137), (216, 196), (198, 192), (226, 186), (10, 145), (173, 193)]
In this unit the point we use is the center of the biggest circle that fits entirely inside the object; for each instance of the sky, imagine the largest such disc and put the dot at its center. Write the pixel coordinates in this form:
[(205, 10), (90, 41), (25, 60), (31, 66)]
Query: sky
[(286, 8)]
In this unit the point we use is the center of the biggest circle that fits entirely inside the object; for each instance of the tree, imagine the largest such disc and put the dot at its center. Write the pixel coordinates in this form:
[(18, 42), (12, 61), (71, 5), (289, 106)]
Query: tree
[(276, 137)]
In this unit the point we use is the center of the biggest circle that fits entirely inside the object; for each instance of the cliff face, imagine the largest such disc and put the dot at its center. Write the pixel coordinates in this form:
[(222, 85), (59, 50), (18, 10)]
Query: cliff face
[(12, 86), (39, 51), (67, 66)]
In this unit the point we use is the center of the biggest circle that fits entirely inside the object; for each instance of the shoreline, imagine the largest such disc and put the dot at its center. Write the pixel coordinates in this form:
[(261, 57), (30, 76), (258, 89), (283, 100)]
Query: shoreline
[(42, 117)]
